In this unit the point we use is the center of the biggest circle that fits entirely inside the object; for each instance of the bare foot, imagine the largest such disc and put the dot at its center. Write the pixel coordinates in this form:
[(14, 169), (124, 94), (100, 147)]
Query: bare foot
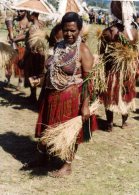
[(125, 125), (64, 171), (109, 127)]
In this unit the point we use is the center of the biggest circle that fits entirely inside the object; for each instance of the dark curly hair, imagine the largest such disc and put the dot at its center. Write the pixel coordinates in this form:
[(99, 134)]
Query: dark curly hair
[(72, 17), (54, 31)]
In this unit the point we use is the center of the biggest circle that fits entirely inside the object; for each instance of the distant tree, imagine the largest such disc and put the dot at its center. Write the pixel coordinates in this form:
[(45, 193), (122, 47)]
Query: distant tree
[(54, 3), (99, 3)]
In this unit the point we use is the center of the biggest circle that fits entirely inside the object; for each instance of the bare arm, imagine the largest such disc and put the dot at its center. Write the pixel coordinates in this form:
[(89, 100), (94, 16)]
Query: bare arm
[(87, 63), (19, 38), (104, 36), (22, 36)]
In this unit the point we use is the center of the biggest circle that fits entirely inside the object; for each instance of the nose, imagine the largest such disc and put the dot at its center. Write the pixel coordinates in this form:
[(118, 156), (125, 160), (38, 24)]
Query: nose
[(68, 33)]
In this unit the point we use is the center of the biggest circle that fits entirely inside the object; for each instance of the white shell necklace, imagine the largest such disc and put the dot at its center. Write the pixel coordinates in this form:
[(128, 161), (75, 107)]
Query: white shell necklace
[(61, 51)]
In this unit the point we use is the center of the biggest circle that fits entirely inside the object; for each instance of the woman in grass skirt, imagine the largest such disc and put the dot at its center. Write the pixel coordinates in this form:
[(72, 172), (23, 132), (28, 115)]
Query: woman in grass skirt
[(61, 98), (118, 46)]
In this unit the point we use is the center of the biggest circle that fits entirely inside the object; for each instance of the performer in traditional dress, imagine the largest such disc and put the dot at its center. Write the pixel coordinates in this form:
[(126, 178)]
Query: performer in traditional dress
[(62, 97), (17, 31), (56, 35), (118, 46), (33, 60)]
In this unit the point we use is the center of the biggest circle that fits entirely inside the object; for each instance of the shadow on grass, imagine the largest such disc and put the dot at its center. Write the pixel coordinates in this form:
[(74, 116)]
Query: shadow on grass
[(102, 124), (17, 101), (137, 112), (23, 149)]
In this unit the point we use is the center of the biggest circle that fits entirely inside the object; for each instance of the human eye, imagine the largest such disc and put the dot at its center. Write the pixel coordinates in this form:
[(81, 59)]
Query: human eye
[(73, 30)]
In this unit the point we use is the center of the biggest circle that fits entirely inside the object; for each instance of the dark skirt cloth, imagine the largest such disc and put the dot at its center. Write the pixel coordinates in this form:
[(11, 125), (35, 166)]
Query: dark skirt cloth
[(33, 66)]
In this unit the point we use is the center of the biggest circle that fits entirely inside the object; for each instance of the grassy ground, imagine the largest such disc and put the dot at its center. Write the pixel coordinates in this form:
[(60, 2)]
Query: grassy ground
[(107, 165)]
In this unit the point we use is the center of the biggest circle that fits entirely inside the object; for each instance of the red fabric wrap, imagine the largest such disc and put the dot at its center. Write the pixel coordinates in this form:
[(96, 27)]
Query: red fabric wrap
[(58, 107), (111, 96), (18, 72)]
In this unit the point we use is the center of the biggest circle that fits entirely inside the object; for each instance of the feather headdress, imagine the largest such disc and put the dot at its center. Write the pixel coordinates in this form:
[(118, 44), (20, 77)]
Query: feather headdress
[(128, 11)]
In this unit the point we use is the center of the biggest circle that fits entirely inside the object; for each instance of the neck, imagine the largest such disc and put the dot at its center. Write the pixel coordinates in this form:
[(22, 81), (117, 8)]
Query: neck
[(35, 21)]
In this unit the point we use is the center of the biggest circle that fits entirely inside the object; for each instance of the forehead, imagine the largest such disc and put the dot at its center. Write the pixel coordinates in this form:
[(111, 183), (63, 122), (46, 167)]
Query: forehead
[(70, 25), (21, 11)]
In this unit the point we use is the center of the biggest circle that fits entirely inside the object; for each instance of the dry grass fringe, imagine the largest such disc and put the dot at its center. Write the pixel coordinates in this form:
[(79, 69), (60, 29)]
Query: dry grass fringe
[(124, 60), (99, 33), (61, 139), (38, 41), (90, 40), (97, 76), (6, 54)]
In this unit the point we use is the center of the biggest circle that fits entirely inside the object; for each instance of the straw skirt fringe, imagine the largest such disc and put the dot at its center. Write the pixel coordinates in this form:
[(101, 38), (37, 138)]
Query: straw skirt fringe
[(58, 107), (119, 98)]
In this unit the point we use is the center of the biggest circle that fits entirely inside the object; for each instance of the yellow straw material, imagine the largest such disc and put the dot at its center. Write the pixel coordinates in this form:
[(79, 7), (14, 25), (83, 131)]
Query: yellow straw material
[(38, 41), (6, 54), (61, 139)]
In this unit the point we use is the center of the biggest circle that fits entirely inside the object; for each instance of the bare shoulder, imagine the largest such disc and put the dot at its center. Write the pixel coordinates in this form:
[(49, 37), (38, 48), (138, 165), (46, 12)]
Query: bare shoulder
[(84, 49), (135, 34), (86, 57), (109, 33), (106, 34)]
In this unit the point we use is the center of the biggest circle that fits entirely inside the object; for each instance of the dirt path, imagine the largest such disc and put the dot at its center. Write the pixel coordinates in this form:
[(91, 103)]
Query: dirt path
[(107, 165)]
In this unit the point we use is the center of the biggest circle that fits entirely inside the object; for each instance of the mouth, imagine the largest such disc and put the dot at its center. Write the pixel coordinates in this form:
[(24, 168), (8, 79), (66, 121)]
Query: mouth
[(70, 39)]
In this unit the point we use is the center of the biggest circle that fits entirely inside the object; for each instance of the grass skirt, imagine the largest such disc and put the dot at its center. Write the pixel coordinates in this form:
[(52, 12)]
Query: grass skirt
[(119, 98), (58, 107)]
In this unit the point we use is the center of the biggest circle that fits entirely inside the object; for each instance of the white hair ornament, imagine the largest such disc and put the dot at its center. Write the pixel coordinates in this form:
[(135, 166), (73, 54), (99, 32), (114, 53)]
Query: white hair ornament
[(128, 10)]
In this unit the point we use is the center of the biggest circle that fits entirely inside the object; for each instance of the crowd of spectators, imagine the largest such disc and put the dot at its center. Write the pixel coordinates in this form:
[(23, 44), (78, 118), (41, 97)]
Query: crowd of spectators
[(99, 17)]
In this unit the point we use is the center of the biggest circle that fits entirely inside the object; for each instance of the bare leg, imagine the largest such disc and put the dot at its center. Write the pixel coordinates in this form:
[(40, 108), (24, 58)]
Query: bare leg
[(7, 81), (20, 83), (64, 171), (124, 119), (109, 116), (8, 74), (66, 167)]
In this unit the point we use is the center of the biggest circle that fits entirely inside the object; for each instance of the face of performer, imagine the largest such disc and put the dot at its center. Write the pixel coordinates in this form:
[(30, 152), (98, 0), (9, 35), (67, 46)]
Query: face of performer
[(59, 36), (21, 14), (70, 32), (32, 16), (116, 9)]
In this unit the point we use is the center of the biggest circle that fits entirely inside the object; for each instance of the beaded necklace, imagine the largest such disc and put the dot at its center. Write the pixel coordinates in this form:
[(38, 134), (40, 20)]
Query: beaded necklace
[(58, 78), (63, 49)]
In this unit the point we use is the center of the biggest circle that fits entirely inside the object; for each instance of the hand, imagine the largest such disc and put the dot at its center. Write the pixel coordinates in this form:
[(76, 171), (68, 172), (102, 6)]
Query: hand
[(10, 41), (34, 81), (85, 113)]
